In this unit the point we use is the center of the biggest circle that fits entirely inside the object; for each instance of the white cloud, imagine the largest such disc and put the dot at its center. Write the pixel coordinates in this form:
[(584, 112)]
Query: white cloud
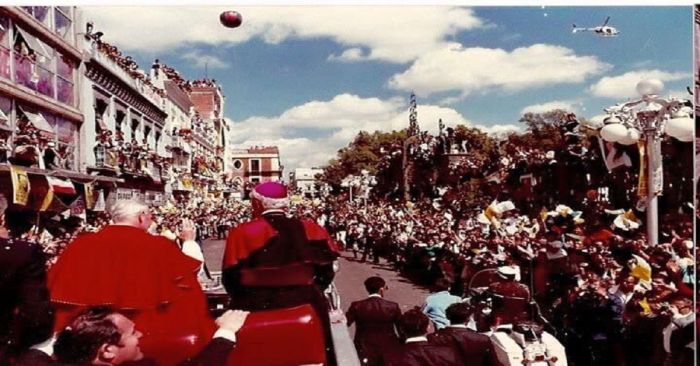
[(500, 130), (335, 123), (389, 33), (351, 54), (624, 86), (567, 105), (477, 69), (201, 60)]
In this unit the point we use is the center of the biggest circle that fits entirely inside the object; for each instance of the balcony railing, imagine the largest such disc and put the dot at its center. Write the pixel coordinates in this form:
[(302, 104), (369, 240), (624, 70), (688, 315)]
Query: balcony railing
[(124, 75)]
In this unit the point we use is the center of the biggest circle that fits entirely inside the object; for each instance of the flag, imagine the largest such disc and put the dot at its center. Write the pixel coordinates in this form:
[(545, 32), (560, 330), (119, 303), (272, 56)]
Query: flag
[(611, 158), (20, 185), (100, 203), (61, 186)]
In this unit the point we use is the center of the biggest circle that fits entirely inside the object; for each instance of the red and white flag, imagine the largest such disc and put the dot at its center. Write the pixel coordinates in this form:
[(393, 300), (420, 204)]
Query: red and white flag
[(61, 186)]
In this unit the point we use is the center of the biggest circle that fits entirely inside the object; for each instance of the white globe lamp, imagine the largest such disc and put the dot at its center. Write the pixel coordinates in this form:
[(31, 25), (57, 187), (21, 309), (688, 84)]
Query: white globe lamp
[(613, 132), (632, 137), (650, 87), (680, 127)]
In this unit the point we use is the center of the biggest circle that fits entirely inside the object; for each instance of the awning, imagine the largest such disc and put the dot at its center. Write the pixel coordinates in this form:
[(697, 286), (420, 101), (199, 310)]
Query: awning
[(33, 43), (109, 120), (101, 122), (4, 121), (38, 120)]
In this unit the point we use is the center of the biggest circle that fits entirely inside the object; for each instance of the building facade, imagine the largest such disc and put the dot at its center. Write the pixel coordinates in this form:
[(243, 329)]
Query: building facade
[(209, 128), (71, 102), (304, 181), (124, 133), (41, 117), (255, 165)]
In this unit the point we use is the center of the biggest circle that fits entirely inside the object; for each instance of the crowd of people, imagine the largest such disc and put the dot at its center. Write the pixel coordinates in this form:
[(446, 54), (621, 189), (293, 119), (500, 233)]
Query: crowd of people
[(564, 234), (576, 271)]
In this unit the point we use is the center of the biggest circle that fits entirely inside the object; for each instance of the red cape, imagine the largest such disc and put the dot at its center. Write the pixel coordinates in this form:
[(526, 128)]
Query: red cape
[(147, 277), (248, 237)]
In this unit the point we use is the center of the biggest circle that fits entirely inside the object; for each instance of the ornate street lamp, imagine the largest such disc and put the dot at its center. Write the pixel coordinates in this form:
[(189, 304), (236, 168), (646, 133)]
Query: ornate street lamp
[(648, 119)]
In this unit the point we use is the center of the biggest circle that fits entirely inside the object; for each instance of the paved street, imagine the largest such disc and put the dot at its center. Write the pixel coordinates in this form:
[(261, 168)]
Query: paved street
[(349, 279)]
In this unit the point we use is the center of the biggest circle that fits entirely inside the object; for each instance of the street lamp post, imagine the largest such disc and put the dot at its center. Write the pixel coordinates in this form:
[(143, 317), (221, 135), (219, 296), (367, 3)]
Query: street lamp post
[(648, 119)]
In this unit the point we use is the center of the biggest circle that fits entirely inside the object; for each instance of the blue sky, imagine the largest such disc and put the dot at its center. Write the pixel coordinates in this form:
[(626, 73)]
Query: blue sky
[(309, 78)]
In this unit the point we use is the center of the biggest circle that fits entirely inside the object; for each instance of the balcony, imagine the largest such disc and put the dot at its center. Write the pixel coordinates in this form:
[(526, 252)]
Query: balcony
[(124, 75)]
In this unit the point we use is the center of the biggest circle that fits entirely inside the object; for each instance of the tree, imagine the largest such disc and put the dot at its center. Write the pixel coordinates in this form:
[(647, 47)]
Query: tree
[(368, 151), (544, 130)]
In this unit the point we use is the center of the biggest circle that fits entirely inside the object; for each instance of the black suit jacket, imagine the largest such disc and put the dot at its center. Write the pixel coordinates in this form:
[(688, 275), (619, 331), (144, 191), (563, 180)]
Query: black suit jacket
[(424, 354), (214, 354), (26, 315), (475, 348), (375, 320)]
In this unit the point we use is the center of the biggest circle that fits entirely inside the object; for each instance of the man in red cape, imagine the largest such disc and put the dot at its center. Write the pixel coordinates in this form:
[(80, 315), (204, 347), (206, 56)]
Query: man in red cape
[(143, 276), (275, 261)]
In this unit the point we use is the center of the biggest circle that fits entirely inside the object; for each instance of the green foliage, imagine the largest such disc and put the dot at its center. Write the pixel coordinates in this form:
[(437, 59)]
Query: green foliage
[(542, 130), (363, 153)]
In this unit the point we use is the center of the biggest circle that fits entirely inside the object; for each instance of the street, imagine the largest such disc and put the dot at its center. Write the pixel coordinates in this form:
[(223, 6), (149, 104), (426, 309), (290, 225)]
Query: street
[(349, 279)]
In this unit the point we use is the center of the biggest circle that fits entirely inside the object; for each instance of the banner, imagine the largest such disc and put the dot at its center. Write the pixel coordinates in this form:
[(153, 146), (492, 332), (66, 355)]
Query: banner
[(77, 208), (612, 158), (89, 196), (642, 188), (100, 204), (656, 168), (20, 185)]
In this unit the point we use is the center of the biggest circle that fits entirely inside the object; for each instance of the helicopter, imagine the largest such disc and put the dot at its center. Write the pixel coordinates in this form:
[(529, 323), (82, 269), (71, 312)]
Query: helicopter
[(603, 30)]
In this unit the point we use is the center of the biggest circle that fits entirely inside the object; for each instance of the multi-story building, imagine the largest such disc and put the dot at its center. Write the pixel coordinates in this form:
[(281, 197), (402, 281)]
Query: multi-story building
[(40, 102), (255, 165), (125, 116), (209, 129), (178, 126), (304, 181), (72, 102)]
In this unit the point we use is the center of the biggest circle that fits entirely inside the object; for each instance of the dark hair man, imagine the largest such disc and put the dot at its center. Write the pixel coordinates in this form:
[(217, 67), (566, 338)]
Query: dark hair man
[(25, 311), (474, 347), (417, 350), (102, 336), (437, 302), (375, 319)]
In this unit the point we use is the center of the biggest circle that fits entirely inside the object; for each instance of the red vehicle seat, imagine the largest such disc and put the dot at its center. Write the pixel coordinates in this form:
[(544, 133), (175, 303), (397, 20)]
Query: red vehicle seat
[(284, 337)]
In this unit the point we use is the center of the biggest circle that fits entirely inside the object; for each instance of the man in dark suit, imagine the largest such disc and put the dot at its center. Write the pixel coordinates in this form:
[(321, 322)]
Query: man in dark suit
[(376, 319), (25, 310), (474, 347), (102, 336), (417, 350)]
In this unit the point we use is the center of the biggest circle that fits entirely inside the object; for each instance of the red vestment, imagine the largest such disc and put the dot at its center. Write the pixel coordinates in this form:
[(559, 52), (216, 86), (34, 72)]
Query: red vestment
[(248, 237), (144, 276)]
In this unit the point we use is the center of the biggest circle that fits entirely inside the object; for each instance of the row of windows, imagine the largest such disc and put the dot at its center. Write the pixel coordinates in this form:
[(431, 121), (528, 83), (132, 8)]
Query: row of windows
[(64, 131), (58, 19), (254, 165), (28, 61)]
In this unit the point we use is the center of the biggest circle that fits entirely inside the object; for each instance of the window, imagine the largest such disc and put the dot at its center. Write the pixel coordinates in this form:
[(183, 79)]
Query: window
[(255, 165), (65, 91), (34, 63), (255, 180), (237, 164), (5, 113), (41, 13), (63, 22)]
